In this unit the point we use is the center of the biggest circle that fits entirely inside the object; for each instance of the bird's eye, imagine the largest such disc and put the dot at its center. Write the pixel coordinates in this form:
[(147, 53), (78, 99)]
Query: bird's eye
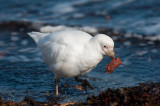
[(104, 46)]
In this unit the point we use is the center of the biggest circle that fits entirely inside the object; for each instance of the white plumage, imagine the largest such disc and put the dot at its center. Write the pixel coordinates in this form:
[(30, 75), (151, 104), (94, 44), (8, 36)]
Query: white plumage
[(72, 53)]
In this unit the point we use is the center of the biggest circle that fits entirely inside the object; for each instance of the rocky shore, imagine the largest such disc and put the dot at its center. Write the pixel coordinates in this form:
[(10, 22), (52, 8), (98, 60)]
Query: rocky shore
[(141, 95)]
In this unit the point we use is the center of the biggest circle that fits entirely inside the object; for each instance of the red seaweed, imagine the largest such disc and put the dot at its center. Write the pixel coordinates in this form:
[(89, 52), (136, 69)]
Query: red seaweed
[(112, 65)]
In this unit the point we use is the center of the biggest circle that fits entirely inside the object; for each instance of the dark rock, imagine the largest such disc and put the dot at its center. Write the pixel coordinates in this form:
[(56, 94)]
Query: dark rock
[(142, 95)]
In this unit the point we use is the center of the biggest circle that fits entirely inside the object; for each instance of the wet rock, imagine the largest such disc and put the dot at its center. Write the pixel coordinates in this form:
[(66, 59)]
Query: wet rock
[(20, 26), (142, 95)]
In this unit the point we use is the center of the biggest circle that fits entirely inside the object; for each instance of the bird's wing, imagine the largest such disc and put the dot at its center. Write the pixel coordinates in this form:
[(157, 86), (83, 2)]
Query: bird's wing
[(53, 52), (71, 38), (37, 36), (62, 46)]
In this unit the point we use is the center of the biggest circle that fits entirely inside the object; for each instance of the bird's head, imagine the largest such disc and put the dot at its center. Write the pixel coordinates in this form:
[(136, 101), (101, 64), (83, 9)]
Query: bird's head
[(106, 45)]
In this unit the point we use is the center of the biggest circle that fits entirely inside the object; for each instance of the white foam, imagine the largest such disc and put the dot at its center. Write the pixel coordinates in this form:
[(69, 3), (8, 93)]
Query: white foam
[(88, 29), (14, 38), (138, 36), (23, 58), (37, 59), (62, 27), (141, 53), (152, 29), (153, 38), (37, 24), (14, 33), (128, 34), (114, 37), (63, 8), (24, 42), (127, 43), (26, 50), (120, 3), (66, 7), (78, 15), (49, 28), (125, 62)]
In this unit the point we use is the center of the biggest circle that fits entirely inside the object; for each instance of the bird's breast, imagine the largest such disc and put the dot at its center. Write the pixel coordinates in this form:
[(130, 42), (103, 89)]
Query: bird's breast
[(89, 62)]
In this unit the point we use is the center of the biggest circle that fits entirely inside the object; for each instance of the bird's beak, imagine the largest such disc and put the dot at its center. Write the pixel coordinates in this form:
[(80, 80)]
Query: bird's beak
[(111, 54)]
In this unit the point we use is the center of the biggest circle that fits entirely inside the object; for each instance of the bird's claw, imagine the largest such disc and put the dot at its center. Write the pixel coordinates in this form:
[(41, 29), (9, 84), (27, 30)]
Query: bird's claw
[(85, 83)]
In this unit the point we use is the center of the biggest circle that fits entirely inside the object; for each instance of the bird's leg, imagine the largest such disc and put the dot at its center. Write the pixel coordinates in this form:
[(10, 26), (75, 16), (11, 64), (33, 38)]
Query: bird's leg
[(85, 83), (56, 86)]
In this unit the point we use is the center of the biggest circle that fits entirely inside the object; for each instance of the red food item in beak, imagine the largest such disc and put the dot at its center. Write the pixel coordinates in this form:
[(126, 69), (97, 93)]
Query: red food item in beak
[(112, 65)]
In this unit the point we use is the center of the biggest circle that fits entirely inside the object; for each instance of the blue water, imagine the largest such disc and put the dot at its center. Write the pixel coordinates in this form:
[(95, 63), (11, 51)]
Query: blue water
[(23, 72), (126, 15)]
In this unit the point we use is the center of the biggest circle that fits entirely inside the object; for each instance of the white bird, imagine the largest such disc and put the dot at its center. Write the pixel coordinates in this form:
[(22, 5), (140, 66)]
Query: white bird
[(72, 53)]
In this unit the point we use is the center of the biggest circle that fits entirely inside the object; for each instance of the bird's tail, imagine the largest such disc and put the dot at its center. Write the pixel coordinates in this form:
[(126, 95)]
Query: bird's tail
[(36, 36)]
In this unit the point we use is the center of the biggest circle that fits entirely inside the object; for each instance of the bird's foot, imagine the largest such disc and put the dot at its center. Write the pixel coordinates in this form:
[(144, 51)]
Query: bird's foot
[(84, 84)]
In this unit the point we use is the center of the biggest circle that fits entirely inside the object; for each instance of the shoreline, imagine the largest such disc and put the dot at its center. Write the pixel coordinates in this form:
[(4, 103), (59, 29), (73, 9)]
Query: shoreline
[(141, 95)]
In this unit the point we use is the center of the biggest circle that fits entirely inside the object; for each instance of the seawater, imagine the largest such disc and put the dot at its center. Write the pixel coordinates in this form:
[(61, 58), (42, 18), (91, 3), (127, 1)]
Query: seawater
[(23, 72)]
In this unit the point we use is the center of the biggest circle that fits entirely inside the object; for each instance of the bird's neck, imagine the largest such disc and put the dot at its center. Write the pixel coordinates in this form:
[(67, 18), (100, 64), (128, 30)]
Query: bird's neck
[(95, 46), (92, 50), (90, 57)]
